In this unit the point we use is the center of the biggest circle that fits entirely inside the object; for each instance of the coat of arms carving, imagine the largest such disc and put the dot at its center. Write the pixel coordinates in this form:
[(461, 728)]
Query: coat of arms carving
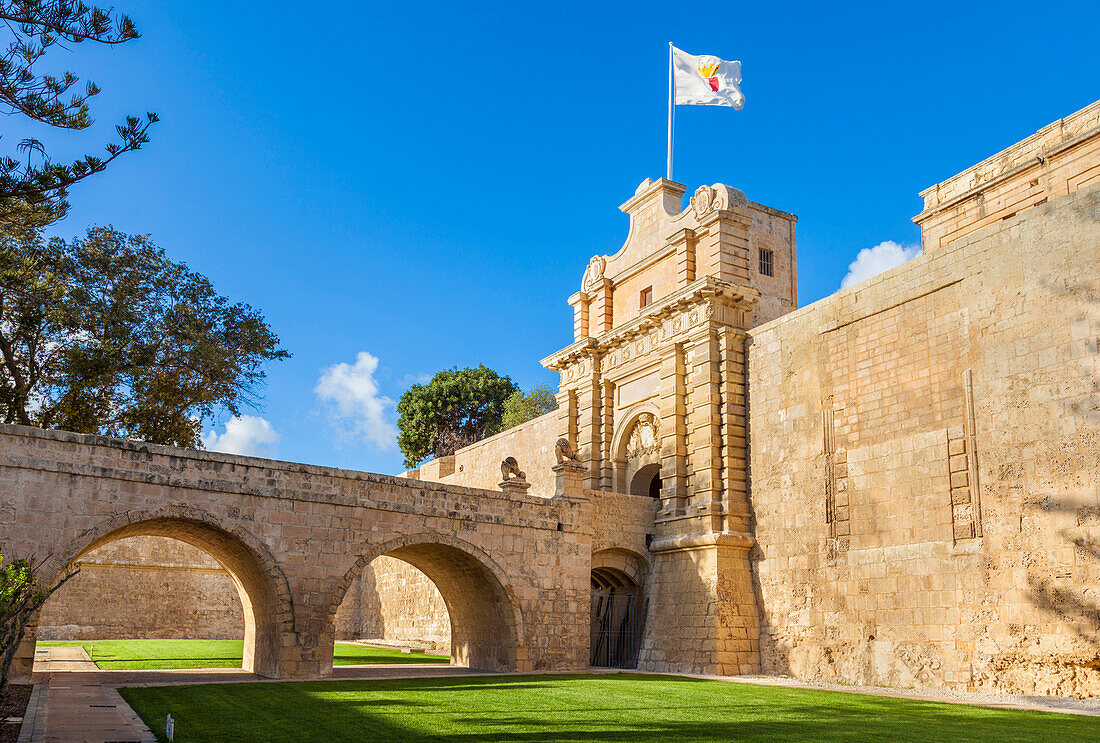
[(644, 436)]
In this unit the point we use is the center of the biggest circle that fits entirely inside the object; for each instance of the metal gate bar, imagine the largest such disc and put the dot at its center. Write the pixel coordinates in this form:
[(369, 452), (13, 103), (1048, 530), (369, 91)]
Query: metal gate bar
[(618, 623)]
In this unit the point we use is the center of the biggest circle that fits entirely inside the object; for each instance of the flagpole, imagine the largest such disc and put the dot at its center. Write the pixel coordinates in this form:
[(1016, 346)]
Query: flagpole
[(671, 108)]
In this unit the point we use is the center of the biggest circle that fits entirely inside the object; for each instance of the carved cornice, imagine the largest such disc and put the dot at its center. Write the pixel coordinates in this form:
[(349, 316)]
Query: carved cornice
[(699, 295), (704, 540)]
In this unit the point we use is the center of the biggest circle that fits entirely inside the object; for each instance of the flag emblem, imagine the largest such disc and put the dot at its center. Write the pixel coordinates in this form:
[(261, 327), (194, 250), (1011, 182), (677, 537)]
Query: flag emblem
[(707, 70), (705, 80)]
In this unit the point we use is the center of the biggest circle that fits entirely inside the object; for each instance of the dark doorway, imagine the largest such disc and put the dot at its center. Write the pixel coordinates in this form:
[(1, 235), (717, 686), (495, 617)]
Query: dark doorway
[(618, 619), (647, 481)]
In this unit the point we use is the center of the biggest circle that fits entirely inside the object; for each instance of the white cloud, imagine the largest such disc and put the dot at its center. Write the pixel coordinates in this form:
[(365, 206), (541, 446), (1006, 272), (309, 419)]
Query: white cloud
[(246, 434), (355, 407), (873, 261)]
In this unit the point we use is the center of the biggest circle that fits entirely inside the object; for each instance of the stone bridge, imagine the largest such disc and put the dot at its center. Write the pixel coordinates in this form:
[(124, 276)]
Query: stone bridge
[(514, 570)]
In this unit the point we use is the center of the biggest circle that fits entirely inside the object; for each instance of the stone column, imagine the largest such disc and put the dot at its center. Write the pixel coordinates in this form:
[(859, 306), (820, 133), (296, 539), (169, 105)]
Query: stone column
[(23, 662), (600, 312), (606, 436), (704, 427), (567, 415), (673, 430), (589, 418), (580, 302), (734, 423), (684, 242), (722, 247), (703, 616), (515, 486), (568, 479)]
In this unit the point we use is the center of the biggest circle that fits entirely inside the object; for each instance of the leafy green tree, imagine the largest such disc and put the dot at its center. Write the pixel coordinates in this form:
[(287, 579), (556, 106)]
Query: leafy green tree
[(455, 409), (105, 335), (521, 407), (21, 596), (33, 194)]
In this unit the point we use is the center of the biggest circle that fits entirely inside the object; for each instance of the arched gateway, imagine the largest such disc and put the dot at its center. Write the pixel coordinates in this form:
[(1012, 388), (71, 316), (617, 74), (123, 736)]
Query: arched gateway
[(513, 570)]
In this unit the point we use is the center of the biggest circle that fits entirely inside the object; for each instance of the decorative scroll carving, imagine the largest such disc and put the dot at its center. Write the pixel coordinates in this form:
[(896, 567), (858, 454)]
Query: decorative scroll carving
[(716, 197), (644, 436), (594, 272), (564, 451)]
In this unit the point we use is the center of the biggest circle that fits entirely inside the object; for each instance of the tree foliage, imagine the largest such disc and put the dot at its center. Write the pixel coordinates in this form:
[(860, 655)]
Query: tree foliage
[(105, 335), (33, 194), (21, 596), (455, 409), (521, 407)]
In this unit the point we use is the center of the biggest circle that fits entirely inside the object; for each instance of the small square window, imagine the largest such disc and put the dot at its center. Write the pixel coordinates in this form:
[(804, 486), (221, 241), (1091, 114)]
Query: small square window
[(646, 297), (767, 266)]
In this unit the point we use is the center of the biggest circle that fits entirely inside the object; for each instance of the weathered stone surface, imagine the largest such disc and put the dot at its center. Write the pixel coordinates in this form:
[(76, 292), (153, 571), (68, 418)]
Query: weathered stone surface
[(963, 387), (514, 570), (896, 485)]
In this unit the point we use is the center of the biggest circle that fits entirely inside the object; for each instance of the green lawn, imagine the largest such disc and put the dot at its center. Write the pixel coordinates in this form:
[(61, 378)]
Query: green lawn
[(623, 707), (129, 655)]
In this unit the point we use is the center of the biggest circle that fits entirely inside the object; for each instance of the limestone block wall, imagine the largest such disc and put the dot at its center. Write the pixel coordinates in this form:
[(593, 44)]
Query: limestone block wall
[(157, 587), (925, 461), (393, 601), (478, 465), (141, 588), (1058, 159)]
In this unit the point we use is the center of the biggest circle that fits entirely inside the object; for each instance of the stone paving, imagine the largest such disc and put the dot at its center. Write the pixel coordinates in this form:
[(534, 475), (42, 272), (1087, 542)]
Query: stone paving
[(78, 706)]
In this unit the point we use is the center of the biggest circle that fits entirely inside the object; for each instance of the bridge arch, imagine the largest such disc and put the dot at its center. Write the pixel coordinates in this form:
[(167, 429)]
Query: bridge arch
[(261, 584), (486, 620)]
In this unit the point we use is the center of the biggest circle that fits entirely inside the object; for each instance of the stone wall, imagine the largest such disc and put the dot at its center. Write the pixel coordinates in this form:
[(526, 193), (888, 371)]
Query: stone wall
[(156, 587), (925, 461), (1059, 159), (395, 602), (145, 587), (478, 465)]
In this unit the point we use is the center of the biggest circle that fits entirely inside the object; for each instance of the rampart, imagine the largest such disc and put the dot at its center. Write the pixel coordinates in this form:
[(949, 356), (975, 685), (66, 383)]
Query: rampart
[(926, 467)]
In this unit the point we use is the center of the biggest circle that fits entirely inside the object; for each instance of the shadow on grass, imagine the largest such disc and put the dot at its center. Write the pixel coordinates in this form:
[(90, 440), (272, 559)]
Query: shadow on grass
[(570, 708)]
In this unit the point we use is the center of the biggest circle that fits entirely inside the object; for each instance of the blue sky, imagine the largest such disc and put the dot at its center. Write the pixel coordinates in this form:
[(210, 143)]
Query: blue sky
[(424, 183)]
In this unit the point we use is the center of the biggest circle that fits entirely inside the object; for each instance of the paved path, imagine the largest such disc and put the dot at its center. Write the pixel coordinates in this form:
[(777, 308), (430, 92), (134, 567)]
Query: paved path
[(81, 703), (77, 706)]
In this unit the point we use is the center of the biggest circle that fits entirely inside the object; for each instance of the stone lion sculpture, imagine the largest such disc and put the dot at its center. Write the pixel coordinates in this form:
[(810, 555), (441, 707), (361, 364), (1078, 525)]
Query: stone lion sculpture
[(509, 468), (564, 451)]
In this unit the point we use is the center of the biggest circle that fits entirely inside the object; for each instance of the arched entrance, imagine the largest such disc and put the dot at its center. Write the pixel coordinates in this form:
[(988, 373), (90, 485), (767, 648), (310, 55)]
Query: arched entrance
[(486, 627), (263, 591), (618, 609), (647, 481)]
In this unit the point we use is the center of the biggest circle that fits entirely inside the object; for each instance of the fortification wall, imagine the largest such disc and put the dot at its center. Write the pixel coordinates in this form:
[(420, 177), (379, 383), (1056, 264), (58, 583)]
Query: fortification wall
[(142, 588), (393, 601), (1057, 160), (925, 460), (478, 465), (156, 587)]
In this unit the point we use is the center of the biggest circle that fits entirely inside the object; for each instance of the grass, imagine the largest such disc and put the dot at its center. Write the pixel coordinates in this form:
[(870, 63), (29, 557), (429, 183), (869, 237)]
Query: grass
[(130, 655), (619, 707)]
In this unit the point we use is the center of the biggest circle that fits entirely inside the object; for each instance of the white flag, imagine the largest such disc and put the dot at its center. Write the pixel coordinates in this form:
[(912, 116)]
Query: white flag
[(706, 80)]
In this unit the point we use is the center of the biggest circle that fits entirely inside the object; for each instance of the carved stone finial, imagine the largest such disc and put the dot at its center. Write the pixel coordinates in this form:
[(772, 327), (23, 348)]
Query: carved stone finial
[(594, 272), (564, 450), (716, 197)]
